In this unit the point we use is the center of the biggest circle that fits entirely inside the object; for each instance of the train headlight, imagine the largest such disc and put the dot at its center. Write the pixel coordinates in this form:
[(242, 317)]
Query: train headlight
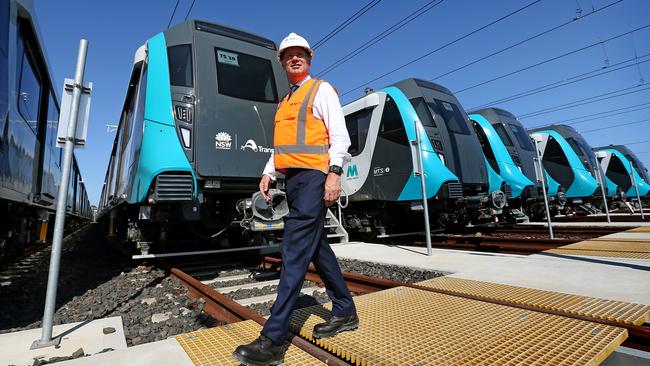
[(275, 209), (183, 113), (186, 136)]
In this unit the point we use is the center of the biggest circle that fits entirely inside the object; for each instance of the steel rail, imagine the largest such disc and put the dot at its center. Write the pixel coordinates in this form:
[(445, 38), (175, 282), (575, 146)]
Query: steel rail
[(223, 308), (638, 336)]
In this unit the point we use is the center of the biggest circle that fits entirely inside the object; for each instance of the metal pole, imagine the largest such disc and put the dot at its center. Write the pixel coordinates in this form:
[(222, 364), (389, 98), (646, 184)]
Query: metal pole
[(543, 180), (55, 258), (636, 187), (602, 189), (424, 189)]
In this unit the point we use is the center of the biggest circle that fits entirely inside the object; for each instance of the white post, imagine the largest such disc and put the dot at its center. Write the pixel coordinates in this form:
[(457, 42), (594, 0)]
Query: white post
[(543, 180), (602, 188), (636, 188), (420, 171), (55, 258)]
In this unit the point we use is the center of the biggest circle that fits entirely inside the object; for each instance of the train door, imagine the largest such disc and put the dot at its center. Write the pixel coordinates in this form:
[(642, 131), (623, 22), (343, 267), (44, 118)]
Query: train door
[(238, 86), (362, 121), (23, 126), (4, 64), (392, 163)]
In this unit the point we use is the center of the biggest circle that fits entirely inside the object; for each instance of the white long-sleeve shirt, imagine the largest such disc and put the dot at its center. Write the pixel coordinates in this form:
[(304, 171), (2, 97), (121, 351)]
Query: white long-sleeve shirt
[(327, 108)]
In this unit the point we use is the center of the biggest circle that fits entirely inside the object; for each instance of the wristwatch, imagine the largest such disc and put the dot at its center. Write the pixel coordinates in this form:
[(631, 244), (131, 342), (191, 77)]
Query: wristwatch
[(336, 169)]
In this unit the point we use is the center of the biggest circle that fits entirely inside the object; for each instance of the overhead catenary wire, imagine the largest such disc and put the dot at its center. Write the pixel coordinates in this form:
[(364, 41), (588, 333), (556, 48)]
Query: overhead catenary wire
[(599, 115), (556, 57), (564, 82), (190, 9), (345, 23), (173, 12), (616, 125), (376, 39), (443, 46), (523, 41), (577, 103)]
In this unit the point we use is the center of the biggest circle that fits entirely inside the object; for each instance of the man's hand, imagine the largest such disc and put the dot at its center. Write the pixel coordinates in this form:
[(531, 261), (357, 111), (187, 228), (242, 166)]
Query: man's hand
[(332, 189), (264, 186)]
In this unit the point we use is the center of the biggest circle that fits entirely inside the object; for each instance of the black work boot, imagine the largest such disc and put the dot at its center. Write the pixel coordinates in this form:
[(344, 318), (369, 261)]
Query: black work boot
[(261, 352), (336, 325)]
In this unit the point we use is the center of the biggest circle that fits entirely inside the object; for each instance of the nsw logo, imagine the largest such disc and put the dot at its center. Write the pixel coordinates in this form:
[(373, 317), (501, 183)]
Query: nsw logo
[(222, 141)]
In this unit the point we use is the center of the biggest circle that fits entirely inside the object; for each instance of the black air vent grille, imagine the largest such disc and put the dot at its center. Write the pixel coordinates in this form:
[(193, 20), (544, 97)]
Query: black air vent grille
[(454, 190), (173, 188), (533, 192), (508, 190)]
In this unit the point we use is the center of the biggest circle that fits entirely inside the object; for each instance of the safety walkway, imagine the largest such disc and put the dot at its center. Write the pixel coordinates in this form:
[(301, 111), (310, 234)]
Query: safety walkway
[(631, 244), (407, 326)]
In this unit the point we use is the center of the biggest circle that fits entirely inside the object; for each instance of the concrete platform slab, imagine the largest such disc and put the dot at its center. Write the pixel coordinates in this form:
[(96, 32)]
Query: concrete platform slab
[(442, 260), (628, 235), (14, 347), (163, 353)]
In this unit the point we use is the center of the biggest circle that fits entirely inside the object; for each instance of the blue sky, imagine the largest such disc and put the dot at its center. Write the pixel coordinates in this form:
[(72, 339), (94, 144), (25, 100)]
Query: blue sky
[(115, 29)]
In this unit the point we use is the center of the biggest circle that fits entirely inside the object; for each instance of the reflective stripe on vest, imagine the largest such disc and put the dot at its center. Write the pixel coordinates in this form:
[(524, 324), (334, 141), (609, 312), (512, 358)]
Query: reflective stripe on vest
[(300, 139)]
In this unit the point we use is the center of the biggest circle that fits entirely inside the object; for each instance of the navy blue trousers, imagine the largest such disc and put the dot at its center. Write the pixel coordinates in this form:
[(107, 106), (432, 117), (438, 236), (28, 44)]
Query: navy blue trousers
[(304, 241)]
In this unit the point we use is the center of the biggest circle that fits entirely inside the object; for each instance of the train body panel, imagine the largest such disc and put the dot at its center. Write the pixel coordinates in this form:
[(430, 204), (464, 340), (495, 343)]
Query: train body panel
[(564, 166)]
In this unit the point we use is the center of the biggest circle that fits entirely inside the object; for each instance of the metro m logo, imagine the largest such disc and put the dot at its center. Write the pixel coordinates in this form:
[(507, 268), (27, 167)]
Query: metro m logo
[(352, 171)]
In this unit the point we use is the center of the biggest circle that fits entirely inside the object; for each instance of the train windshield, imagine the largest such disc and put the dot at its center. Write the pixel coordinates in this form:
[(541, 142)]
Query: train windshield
[(180, 65), (503, 134), (451, 115), (521, 136), (423, 112), (244, 76), (582, 149)]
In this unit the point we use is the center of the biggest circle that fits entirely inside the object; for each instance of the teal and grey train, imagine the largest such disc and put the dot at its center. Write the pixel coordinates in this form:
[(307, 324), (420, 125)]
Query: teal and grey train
[(569, 160), (623, 170), (380, 183), (511, 153), (30, 162), (195, 132)]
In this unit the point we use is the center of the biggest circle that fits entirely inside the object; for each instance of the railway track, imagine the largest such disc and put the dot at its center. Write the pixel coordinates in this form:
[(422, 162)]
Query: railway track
[(226, 309)]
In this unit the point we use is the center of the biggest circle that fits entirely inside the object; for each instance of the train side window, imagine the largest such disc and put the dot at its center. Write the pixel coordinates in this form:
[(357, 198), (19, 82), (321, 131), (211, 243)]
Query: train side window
[(501, 131), (522, 137), (51, 130), (245, 76), (4, 58), (180, 65), (392, 126), (451, 115), (423, 111), (29, 86), (358, 124)]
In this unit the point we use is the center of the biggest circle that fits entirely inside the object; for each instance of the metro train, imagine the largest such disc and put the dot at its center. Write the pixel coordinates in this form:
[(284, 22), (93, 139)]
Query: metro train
[(194, 135), (383, 192), (569, 160), (512, 151), (30, 162), (618, 169)]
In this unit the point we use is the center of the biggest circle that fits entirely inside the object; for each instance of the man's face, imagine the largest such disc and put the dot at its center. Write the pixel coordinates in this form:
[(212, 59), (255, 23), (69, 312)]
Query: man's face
[(296, 61)]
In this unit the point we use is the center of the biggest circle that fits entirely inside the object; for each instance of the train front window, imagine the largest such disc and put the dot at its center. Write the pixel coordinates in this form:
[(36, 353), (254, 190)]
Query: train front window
[(358, 124), (180, 65), (522, 137), (451, 115), (244, 76), (423, 112), (503, 134)]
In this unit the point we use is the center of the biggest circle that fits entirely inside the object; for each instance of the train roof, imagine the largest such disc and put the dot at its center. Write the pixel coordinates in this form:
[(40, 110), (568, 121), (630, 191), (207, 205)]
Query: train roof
[(411, 87), (493, 114), (185, 30), (565, 130)]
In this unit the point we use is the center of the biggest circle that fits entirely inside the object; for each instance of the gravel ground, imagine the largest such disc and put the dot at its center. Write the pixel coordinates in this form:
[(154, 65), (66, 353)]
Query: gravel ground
[(387, 271)]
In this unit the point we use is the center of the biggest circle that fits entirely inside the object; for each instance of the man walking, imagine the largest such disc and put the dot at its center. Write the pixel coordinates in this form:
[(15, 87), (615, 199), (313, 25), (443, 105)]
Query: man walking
[(310, 148)]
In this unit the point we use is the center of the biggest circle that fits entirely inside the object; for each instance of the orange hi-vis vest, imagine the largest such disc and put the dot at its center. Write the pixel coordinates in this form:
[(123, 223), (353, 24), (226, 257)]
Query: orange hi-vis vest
[(300, 140)]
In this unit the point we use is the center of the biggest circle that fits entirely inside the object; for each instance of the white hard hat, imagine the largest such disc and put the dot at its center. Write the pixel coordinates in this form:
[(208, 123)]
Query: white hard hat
[(294, 40)]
